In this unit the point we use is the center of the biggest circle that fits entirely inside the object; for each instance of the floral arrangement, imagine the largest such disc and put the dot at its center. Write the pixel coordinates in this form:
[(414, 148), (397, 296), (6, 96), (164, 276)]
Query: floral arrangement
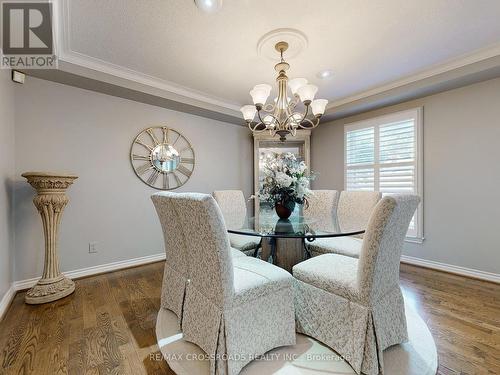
[(285, 180)]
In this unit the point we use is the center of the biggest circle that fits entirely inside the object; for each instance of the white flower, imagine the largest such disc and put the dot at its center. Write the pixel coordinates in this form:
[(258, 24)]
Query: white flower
[(283, 180)]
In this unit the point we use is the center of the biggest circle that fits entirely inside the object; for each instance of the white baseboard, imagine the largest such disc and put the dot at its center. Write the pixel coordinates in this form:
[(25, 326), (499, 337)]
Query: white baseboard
[(95, 270), (463, 271), (114, 266), (6, 300)]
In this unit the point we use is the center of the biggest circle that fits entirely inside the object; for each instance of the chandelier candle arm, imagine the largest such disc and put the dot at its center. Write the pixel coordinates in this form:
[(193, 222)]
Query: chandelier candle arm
[(302, 117), (281, 118)]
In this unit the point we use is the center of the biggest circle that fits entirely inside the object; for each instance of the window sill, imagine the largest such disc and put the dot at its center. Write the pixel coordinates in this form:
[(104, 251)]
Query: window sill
[(416, 240)]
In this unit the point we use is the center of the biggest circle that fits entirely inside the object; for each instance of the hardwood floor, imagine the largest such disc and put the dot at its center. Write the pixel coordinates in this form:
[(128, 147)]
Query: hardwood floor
[(463, 316), (107, 325)]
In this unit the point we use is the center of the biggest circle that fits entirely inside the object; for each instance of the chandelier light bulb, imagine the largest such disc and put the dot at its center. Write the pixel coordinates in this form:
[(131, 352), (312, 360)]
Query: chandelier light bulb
[(296, 83), (307, 92), (269, 120), (264, 86), (248, 112), (318, 106), (260, 93)]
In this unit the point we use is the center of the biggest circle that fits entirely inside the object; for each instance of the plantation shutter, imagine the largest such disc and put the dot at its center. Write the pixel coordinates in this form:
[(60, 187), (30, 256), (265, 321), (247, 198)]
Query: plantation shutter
[(360, 156), (382, 154)]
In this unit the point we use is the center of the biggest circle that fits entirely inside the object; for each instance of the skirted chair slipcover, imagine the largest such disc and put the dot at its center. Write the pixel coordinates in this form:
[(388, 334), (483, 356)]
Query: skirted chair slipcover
[(352, 212), (355, 306), (322, 207), (222, 292), (234, 210), (175, 273)]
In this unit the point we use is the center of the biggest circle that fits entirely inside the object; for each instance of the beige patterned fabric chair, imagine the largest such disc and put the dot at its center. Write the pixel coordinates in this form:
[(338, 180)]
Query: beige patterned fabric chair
[(356, 306), (353, 212), (355, 208), (234, 210), (175, 273), (322, 207), (224, 291)]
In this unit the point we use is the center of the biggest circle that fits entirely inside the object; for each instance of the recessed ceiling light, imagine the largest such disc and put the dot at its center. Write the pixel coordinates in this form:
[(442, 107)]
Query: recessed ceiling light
[(325, 74), (208, 6)]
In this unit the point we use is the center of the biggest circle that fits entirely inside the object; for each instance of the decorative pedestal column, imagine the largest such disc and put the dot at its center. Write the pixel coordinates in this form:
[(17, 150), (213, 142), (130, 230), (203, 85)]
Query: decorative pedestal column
[(50, 202)]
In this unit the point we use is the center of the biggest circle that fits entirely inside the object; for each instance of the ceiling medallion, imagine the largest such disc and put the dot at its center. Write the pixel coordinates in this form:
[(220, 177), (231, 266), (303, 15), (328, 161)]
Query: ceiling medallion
[(282, 117), (297, 43)]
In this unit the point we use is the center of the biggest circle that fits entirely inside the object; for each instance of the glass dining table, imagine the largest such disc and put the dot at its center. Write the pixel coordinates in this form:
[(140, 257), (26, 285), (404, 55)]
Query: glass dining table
[(285, 242)]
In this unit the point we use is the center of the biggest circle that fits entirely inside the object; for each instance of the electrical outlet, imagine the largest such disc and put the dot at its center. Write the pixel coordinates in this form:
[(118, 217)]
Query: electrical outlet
[(92, 247)]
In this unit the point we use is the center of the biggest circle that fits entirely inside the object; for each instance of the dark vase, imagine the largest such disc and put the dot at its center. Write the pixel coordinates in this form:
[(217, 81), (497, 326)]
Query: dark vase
[(284, 210), (283, 226)]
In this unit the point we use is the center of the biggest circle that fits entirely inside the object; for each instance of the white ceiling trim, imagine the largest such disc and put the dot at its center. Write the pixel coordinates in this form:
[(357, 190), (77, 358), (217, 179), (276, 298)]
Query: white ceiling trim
[(132, 75), (64, 53), (465, 60)]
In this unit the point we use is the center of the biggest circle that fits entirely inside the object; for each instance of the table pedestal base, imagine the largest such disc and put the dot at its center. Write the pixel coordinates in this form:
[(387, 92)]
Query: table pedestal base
[(286, 252)]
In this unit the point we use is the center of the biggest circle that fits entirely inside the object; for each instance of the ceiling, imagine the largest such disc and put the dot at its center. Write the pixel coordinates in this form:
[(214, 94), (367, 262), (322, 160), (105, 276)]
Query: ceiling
[(366, 43)]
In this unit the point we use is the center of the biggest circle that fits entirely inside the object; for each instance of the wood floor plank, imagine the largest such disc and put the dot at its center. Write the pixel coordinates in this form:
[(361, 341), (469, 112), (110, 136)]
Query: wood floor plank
[(108, 325)]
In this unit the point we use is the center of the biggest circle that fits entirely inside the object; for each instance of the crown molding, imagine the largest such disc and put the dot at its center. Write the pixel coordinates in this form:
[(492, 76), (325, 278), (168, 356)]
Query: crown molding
[(438, 78), (92, 63), (450, 65), (64, 52)]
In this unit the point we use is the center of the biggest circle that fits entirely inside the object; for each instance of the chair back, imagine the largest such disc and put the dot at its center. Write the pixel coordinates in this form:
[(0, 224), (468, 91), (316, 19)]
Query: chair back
[(378, 267), (322, 207), (233, 207), (207, 244), (355, 208), (176, 266)]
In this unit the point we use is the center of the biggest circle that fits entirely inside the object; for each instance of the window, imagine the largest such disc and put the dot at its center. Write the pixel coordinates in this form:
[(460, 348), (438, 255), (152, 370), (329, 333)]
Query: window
[(385, 154)]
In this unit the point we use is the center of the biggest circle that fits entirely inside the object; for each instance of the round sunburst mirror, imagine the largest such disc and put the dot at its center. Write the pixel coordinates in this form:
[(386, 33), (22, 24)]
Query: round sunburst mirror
[(162, 158)]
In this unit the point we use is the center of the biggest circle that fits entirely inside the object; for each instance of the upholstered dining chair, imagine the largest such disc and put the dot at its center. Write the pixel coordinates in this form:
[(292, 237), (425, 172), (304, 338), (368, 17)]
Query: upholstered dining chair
[(222, 291), (322, 210), (355, 306), (175, 273), (234, 210), (353, 212)]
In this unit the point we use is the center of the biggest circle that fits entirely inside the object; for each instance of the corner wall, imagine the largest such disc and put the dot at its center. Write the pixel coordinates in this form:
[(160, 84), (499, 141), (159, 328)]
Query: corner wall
[(62, 128), (7, 158), (461, 175)]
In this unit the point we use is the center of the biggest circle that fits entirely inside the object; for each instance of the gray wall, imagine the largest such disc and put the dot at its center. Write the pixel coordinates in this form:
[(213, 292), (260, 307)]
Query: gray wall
[(63, 128), (6, 176), (461, 173)]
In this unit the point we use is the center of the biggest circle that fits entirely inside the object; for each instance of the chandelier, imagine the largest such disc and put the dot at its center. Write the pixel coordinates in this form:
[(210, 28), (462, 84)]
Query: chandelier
[(282, 117)]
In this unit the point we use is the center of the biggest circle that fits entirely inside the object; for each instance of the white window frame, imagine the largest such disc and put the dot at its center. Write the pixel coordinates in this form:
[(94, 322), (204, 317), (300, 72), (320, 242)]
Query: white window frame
[(417, 115)]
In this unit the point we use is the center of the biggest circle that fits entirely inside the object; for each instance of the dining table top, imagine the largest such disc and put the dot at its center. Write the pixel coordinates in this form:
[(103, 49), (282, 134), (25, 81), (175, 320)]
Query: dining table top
[(267, 224)]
